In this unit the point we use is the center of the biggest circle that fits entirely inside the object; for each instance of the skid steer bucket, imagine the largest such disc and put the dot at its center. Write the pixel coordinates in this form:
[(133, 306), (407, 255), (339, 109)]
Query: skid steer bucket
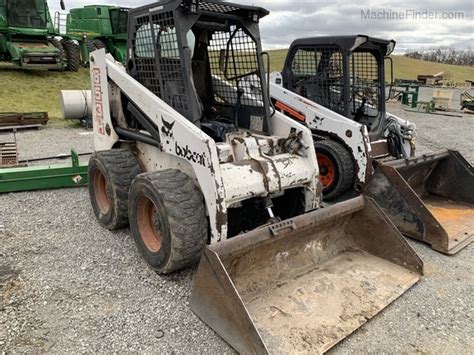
[(304, 284), (429, 198)]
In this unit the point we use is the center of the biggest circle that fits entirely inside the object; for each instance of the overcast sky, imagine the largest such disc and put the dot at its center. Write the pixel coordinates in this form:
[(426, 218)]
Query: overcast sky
[(420, 24)]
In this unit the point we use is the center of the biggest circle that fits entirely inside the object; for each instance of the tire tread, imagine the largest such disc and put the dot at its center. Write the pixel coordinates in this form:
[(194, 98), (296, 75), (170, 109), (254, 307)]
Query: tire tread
[(187, 218), (122, 167), (73, 55), (347, 168)]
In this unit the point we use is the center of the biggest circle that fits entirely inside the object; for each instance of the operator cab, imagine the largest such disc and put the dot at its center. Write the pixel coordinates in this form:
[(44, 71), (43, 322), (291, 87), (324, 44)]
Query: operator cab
[(344, 74), (27, 13), (209, 67), (119, 20)]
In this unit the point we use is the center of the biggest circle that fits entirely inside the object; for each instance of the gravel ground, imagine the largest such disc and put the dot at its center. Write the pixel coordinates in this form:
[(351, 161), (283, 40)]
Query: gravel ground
[(437, 132), (67, 285)]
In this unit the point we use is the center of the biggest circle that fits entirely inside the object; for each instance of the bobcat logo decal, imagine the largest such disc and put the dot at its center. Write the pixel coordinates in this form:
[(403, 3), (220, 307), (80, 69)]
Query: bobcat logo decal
[(167, 128)]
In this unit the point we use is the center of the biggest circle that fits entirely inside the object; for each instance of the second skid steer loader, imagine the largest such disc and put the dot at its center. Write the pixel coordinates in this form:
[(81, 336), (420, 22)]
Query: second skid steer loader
[(336, 86), (199, 168)]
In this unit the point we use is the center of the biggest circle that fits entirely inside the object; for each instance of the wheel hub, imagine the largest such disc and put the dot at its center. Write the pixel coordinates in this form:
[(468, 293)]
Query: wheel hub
[(149, 224), (101, 192), (327, 170)]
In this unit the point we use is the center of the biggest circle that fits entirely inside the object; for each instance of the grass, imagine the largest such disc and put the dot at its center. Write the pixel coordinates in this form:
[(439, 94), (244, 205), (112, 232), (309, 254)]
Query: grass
[(403, 67), (26, 91), (407, 68), (29, 91)]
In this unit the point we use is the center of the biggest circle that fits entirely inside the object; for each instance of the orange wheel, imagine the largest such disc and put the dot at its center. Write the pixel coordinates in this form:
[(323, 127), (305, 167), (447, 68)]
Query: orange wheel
[(336, 168), (149, 224), (101, 194), (327, 170)]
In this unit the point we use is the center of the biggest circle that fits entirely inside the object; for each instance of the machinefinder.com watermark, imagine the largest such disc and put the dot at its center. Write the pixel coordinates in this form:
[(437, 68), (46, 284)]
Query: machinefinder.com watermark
[(410, 14)]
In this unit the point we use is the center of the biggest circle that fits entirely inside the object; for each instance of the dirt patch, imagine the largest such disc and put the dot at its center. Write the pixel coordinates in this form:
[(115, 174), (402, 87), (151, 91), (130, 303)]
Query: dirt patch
[(9, 284)]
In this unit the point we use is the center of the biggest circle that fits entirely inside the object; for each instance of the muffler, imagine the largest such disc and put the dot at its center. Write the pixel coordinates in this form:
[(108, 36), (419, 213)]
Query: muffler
[(304, 284), (429, 198)]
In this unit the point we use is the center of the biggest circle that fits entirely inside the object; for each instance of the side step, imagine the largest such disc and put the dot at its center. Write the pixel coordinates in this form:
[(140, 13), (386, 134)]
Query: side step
[(306, 283), (429, 198)]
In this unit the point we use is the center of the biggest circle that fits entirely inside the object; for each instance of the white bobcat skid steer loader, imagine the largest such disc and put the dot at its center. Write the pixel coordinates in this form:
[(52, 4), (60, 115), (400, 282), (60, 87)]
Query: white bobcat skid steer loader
[(336, 86), (189, 159)]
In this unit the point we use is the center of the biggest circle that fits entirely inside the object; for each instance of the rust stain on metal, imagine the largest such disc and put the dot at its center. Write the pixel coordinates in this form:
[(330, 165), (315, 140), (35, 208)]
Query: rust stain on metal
[(429, 198), (455, 217)]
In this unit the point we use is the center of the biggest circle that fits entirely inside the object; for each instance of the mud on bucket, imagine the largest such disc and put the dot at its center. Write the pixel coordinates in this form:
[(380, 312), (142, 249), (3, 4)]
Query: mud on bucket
[(304, 284)]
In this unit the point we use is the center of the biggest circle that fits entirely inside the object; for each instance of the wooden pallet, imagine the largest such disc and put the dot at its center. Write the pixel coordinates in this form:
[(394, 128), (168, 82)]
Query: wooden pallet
[(11, 120)]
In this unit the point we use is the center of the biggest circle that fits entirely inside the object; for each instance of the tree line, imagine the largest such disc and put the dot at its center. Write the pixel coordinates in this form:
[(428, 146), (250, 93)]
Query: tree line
[(445, 55)]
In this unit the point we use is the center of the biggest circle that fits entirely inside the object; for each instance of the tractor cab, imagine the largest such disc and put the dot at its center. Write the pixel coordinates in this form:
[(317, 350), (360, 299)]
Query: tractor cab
[(98, 20), (32, 14), (209, 67), (118, 20), (344, 73)]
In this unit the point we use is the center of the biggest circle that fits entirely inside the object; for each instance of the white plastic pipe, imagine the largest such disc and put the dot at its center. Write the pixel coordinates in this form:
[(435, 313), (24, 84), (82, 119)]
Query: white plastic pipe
[(76, 104)]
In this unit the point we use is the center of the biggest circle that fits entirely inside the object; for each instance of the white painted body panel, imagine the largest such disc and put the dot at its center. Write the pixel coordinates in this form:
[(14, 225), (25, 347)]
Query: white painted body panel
[(187, 148), (319, 118)]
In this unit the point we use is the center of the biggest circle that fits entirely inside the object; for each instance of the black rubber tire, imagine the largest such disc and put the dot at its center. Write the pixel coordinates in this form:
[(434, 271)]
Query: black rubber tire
[(344, 168), (116, 169), (62, 53), (96, 44), (73, 55), (168, 219)]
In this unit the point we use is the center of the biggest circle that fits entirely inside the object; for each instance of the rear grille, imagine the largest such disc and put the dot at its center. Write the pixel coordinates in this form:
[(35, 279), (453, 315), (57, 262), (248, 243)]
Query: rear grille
[(41, 60)]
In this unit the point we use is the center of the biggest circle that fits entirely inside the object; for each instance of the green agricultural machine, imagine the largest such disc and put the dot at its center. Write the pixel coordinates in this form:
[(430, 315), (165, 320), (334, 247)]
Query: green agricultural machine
[(27, 38), (99, 26)]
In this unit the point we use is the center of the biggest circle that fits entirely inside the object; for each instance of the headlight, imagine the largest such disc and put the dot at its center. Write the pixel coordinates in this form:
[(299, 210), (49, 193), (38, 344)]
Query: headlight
[(390, 47)]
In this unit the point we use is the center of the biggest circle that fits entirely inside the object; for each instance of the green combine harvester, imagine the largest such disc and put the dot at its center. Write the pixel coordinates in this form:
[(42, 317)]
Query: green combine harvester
[(27, 38), (99, 26)]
